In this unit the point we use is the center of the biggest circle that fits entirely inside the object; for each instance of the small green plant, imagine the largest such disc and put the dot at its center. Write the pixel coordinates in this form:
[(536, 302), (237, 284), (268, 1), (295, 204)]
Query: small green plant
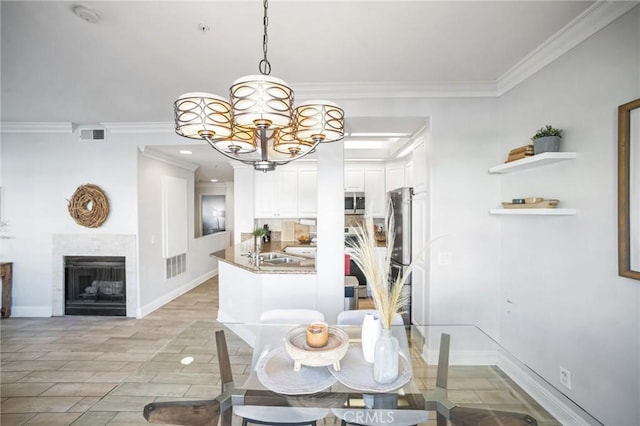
[(259, 232), (547, 131)]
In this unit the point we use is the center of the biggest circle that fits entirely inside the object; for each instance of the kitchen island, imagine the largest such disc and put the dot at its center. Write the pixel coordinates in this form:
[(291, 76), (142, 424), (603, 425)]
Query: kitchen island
[(247, 289)]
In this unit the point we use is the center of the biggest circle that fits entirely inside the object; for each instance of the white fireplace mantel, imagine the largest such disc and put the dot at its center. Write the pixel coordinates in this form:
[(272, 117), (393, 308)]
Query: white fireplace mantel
[(94, 245)]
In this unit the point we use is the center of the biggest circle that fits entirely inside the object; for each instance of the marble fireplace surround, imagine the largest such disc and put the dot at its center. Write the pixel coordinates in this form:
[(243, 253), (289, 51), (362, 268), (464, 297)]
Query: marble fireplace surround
[(94, 245)]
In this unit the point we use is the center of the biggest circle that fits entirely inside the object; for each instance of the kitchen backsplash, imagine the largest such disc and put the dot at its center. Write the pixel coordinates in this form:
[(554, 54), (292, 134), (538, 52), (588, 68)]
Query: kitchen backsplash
[(288, 229)]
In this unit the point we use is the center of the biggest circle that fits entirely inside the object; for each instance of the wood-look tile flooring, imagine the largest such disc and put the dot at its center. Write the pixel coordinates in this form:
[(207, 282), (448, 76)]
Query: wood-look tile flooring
[(104, 370)]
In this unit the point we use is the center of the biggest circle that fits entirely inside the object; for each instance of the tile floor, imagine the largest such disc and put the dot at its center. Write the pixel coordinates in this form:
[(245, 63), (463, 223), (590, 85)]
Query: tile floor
[(103, 371)]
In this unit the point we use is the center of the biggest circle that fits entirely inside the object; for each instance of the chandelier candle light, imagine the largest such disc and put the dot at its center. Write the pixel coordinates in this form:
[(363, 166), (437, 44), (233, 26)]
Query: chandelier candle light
[(258, 125)]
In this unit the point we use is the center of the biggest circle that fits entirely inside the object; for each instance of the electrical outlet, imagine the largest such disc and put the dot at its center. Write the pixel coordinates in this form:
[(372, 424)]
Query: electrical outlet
[(565, 377)]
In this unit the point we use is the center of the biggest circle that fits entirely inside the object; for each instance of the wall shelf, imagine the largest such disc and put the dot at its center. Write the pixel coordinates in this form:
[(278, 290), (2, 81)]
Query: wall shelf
[(533, 161), (538, 212)]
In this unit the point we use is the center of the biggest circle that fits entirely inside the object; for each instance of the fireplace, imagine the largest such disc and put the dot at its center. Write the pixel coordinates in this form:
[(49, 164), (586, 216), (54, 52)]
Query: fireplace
[(95, 285)]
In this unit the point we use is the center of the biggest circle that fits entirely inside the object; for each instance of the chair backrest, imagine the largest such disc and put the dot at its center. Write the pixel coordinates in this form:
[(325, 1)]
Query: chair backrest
[(355, 317), (291, 316)]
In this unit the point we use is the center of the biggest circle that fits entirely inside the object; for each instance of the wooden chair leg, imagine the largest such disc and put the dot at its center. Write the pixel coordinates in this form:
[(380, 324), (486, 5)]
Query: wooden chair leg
[(224, 363), (196, 413)]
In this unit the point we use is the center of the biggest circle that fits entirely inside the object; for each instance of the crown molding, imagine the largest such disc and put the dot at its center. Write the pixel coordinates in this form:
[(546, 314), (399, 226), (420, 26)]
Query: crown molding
[(159, 156), (589, 22), (35, 127), (396, 90), (140, 127), (583, 26)]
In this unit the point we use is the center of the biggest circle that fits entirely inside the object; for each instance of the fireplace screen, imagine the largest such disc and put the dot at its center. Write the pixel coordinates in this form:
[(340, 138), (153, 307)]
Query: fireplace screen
[(95, 285)]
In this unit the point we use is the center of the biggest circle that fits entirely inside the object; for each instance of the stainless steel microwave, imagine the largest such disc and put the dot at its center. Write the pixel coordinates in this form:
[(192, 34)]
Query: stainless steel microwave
[(354, 203)]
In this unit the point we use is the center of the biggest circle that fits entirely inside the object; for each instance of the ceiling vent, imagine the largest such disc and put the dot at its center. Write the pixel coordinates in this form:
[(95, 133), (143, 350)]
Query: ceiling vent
[(92, 134)]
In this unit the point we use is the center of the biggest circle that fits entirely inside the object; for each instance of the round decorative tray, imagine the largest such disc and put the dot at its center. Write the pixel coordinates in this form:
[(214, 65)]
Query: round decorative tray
[(303, 354), (274, 372), (358, 374)]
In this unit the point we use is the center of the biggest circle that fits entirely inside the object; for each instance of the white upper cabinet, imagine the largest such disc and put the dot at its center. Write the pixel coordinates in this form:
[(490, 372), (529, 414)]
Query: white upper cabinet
[(419, 169), (287, 192), (308, 192), (394, 176), (290, 191), (374, 189), (276, 193), (266, 192), (354, 179)]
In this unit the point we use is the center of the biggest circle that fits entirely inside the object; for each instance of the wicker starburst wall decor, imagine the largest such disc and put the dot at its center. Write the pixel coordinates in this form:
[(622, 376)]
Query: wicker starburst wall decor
[(89, 206)]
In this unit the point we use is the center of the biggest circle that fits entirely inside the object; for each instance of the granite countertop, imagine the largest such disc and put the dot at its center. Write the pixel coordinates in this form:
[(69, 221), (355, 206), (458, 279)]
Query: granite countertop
[(237, 256)]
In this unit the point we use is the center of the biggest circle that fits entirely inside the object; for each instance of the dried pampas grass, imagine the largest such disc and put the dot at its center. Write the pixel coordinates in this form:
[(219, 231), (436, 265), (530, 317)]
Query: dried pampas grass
[(388, 298)]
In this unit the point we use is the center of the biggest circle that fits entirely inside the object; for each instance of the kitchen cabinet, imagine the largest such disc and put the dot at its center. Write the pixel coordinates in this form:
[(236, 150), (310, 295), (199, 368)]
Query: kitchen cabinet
[(276, 193), (419, 169), (394, 176), (538, 160), (308, 192), (354, 180), (374, 190)]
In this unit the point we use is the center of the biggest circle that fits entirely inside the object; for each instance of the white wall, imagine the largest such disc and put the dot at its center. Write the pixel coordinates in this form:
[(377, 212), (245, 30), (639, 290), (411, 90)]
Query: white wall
[(463, 145), (155, 290), (569, 307), (40, 172)]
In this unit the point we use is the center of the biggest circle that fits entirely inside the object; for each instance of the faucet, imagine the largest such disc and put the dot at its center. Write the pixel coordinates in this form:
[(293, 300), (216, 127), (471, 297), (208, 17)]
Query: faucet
[(254, 256)]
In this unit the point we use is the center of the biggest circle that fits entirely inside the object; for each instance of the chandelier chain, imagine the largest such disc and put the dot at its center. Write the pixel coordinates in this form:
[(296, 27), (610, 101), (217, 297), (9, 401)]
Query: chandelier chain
[(265, 66)]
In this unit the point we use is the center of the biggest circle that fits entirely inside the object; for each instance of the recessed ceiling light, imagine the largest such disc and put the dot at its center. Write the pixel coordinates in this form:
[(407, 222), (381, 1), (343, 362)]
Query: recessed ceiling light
[(362, 144), (380, 135), (214, 180), (185, 152)]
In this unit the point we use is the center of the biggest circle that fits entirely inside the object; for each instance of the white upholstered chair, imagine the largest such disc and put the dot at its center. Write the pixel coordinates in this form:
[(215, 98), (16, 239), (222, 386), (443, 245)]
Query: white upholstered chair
[(355, 317), (283, 415)]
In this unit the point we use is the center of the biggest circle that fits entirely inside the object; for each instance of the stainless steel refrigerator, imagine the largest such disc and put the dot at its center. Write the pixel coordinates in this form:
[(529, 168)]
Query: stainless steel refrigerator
[(400, 202)]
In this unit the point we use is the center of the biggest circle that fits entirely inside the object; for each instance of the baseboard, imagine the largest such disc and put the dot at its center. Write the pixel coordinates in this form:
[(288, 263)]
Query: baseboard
[(161, 301), (31, 311), (558, 405)]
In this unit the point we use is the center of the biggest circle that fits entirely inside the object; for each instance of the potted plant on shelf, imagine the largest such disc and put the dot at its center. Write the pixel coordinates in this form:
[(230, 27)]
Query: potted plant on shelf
[(546, 139)]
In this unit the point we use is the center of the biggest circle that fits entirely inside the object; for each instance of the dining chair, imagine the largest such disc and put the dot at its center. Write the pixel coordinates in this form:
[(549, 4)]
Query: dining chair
[(290, 416), (356, 316), (291, 316)]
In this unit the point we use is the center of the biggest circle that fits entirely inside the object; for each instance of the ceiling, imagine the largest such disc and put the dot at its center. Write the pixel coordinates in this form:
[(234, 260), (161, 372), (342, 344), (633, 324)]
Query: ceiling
[(133, 63)]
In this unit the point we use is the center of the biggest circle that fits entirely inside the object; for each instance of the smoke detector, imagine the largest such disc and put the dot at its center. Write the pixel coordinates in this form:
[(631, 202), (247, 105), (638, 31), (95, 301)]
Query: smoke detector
[(86, 13)]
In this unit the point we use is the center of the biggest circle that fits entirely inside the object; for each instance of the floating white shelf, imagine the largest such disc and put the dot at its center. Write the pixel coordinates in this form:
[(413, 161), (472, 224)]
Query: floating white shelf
[(539, 212), (533, 161)]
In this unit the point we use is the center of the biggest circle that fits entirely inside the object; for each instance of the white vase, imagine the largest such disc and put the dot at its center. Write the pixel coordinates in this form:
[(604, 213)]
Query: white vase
[(385, 367), (371, 329)]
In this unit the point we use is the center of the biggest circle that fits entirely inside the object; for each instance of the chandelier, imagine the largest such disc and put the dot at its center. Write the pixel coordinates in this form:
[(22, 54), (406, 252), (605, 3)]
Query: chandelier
[(258, 125)]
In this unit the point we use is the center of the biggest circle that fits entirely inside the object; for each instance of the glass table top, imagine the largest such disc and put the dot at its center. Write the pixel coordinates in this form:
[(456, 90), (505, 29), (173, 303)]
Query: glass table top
[(475, 379)]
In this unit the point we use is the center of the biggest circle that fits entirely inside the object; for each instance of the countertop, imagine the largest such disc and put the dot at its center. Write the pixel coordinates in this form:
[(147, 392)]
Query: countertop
[(237, 256)]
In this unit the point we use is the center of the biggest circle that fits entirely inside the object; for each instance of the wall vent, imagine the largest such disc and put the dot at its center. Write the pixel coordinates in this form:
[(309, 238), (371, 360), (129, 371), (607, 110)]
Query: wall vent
[(92, 134)]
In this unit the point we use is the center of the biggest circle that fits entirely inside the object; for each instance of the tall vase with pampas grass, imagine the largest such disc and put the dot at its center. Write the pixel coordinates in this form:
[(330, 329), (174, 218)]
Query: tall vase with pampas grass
[(388, 297)]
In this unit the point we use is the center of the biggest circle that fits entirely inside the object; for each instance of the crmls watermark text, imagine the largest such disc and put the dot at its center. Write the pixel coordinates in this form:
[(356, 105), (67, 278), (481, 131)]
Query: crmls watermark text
[(364, 417)]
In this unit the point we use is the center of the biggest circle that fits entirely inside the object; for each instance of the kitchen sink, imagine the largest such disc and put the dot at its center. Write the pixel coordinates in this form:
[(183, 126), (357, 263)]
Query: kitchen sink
[(281, 260), (309, 251), (274, 258)]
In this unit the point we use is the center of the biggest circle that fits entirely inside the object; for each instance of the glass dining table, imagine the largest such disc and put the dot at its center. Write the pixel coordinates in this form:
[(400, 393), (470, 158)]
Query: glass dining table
[(446, 374)]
